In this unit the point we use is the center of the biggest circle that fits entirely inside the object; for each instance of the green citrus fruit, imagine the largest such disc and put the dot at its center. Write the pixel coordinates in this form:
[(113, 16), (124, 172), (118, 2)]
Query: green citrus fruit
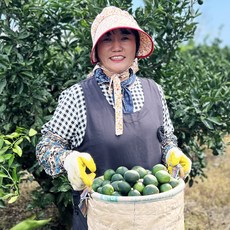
[(107, 189), (163, 176), (117, 177), (121, 170), (173, 182), (165, 187), (131, 176), (97, 182), (115, 185), (148, 171), (124, 187), (150, 179), (142, 172), (134, 192), (139, 186), (150, 189), (105, 182), (108, 174), (116, 193), (99, 189), (158, 167)]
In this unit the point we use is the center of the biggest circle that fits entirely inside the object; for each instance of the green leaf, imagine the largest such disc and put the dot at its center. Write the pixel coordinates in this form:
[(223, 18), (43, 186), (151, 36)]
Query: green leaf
[(1, 143), (2, 159), (13, 135), (64, 188), (7, 142), (4, 149), (7, 196), (30, 224), (27, 138), (3, 175), (11, 160), (32, 132), (27, 74), (4, 61), (8, 156), (214, 120), (7, 2), (207, 123), (15, 175), (2, 108), (3, 83), (17, 149), (12, 199), (19, 141)]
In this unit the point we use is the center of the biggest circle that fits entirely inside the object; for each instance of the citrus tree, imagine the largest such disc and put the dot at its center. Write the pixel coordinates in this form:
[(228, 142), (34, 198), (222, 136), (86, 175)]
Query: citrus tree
[(197, 84), (45, 46)]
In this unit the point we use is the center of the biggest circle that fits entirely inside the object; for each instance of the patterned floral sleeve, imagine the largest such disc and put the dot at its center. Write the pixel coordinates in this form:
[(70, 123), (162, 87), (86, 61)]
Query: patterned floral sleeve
[(51, 152), (168, 139)]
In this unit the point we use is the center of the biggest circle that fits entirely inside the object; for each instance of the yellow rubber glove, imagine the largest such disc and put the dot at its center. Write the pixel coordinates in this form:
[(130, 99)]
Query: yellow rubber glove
[(75, 164), (176, 158)]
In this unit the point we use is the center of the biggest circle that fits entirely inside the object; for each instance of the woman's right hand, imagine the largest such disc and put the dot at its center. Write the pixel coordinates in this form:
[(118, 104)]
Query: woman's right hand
[(75, 164)]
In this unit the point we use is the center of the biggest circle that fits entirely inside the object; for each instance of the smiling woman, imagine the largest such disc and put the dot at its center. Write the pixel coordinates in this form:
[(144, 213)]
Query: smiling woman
[(113, 117)]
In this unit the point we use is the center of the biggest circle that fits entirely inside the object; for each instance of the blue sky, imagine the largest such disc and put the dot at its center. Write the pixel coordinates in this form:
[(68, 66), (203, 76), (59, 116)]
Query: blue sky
[(214, 21)]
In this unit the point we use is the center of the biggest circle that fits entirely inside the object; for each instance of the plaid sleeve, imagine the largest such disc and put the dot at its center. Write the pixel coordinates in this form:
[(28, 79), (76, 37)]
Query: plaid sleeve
[(63, 132), (69, 119), (169, 140), (167, 123)]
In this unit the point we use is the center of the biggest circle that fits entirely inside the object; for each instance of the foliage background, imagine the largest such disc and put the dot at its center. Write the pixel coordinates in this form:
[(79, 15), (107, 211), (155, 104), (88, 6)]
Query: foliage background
[(45, 46)]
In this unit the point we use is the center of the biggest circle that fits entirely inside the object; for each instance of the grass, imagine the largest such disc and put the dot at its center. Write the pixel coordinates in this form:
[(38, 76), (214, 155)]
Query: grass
[(207, 203)]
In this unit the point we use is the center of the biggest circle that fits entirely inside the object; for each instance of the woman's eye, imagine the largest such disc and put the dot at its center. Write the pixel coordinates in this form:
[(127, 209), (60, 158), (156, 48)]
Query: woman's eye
[(106, 39), (125, 38)]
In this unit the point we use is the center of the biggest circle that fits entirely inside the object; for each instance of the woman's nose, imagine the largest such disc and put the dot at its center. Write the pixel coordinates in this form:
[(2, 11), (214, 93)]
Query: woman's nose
[(116, 45)]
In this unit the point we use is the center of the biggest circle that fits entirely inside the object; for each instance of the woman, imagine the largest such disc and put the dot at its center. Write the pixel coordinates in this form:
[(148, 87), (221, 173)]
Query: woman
[(112, 118)]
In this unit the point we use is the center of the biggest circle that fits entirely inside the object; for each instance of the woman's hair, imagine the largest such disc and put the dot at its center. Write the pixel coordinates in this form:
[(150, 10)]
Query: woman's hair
[(126, 31), (137, 37)]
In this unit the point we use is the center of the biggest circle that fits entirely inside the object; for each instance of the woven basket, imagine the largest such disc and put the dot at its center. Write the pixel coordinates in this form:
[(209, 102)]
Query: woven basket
[(163, 211)]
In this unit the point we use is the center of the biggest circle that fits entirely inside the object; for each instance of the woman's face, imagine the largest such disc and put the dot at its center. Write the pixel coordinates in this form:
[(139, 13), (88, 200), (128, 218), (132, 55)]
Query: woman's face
[(116, 50)]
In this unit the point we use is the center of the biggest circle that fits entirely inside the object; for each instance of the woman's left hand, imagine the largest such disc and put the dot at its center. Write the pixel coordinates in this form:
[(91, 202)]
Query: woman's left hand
[(175, 158)]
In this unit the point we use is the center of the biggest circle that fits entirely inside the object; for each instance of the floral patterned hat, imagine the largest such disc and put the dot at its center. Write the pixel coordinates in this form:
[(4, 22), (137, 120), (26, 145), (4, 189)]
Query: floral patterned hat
[(112, 18)]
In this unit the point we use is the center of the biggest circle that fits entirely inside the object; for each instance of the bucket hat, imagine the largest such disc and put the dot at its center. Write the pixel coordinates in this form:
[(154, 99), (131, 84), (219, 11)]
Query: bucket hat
[(112, 18)]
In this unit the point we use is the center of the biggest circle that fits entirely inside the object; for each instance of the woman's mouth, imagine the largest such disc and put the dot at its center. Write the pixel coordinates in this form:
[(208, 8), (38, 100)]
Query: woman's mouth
[(117, 58)]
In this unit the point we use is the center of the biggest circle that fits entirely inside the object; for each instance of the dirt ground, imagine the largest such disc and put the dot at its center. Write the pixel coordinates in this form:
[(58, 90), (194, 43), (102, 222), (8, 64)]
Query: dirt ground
[(16, 212), (207, 203)]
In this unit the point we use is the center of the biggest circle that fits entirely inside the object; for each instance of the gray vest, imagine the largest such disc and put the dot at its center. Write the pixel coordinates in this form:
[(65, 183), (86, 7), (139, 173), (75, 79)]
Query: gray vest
[(138, 145)]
